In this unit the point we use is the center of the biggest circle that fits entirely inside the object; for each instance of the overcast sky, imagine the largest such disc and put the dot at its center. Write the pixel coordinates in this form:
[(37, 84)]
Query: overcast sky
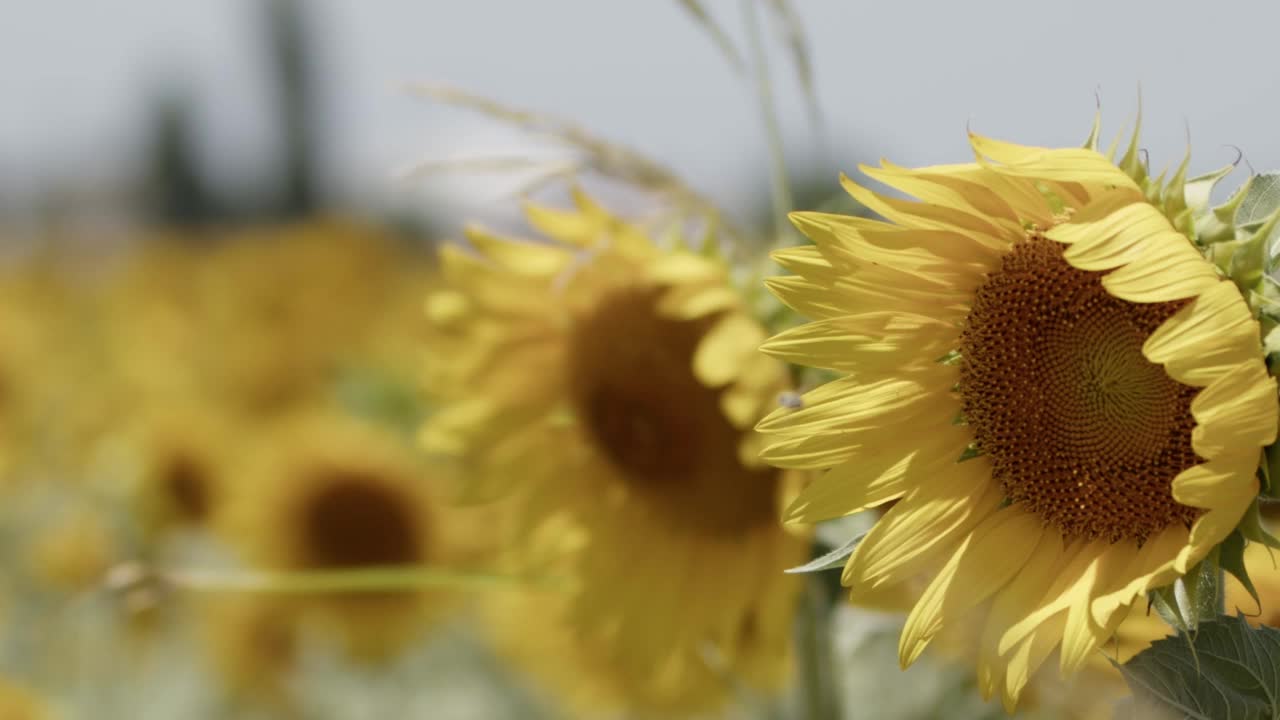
[(895, 79)]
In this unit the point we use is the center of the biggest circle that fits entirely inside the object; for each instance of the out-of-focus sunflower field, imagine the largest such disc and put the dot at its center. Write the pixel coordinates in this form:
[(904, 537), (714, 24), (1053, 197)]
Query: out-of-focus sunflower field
[(990, 436)]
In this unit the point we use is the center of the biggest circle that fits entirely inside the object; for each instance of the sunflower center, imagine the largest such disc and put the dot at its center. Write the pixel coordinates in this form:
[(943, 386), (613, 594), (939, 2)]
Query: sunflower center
[(1080, 427), (355, 521), (186, 482), (632, 385)]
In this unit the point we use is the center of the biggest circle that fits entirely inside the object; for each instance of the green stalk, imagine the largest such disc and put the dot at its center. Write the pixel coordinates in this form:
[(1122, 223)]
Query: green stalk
[(820, 698), (305, 582), (779, 181)]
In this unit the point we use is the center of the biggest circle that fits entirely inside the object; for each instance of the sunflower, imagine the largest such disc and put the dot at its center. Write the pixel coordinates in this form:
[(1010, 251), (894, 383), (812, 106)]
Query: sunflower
[(73, 553), (19, 703), (1066, 400), (286, 307), (253, 644), (183, 461), (329, 493), (608, 387)]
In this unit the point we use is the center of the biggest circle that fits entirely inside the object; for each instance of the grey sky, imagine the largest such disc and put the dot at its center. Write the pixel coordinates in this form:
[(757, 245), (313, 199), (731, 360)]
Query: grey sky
[(898, 79)]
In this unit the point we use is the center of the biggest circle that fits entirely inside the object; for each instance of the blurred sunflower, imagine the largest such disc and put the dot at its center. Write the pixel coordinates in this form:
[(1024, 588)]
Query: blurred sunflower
[(43, 381), (1066, 400), (153, 330), (183, 462), (285, 307), (73, 553), (253, 644), (19, 703), (329, 493), (608, 386)]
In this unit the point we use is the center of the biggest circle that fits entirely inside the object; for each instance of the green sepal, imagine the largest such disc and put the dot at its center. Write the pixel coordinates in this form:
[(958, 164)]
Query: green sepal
[(1131, 163), (1166, 605), (1249, 260), (1231, 559), (1205, 226), (1153, 188), (1270, 469), (1253, 530), (1193, 597), (1091, 142), (1214, 225), (1174, 200)]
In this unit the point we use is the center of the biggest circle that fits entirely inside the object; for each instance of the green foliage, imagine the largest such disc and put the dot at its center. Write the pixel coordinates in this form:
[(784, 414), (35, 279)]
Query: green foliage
[(1260, 201), (830, 560), (1194, 598), (1226, 670)]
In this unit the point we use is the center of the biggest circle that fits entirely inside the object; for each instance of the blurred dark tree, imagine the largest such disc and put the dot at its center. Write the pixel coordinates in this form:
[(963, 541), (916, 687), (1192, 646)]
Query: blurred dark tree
[(292, 62), (176, 193)]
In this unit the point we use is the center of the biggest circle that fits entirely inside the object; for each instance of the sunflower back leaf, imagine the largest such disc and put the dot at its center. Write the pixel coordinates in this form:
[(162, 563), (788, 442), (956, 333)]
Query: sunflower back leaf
[(1261, 201), (830, 560), (1226, 670)]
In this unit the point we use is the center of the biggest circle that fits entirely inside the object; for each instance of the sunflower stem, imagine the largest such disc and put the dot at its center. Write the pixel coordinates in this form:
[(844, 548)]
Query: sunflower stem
[(779, 180), (353, 580), (820, 699)]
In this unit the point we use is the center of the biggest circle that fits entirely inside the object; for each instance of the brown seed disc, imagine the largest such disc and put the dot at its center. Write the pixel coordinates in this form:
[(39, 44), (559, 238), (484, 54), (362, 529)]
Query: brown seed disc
[(1079, 426), (187, 483), (355, 521), (632, 384)]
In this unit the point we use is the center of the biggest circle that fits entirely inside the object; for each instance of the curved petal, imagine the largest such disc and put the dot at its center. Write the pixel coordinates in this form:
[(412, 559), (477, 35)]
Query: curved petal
[(922, 527), (1152, 567), (883, 467), (1237, 412), (873, 342), (1206, 339), (989, 557)]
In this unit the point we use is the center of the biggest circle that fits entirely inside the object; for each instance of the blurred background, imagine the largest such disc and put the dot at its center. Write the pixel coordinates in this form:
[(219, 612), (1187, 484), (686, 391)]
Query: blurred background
[(217, 222), (102, 96)]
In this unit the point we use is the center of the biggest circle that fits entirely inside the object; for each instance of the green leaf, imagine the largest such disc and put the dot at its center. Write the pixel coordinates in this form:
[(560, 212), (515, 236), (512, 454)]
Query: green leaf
[(1227, 670), (829, 560), (1261, 200)]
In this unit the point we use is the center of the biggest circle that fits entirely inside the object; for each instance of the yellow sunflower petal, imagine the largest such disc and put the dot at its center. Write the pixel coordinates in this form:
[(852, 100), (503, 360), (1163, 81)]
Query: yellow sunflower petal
[(1216, 482), (1081, 636), (1076, 165), (520, 257), (568, 226), (1150, 569), (883, 468), (946, 185), (1238, 410), (922, 528), (848, 404), (1028, 657), (1015, 601), (928, 216), (989, 557), (1172, 270), (1115, 240), (871, 342), (681, 267), (1206, 339), (1071, 587)]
